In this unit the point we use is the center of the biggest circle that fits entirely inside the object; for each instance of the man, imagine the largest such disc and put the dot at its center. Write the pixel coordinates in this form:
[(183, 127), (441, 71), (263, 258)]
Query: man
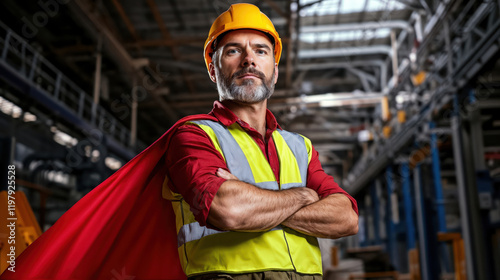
[(256, 195), (250, 198)]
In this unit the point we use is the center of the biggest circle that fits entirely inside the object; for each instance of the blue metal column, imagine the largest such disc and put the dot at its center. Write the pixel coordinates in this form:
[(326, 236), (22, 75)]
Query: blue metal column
[(391, 227), (408, 206), (436, 175)]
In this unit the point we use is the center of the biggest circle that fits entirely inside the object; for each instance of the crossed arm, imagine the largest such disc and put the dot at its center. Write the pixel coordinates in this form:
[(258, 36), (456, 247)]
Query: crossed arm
[(243, 207)]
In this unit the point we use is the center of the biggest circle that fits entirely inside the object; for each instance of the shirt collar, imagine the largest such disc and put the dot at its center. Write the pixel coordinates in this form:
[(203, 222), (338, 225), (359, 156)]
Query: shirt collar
[(227, 117)]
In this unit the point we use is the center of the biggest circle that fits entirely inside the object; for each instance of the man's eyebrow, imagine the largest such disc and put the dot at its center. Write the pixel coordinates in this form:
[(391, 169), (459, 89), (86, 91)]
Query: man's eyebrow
[(256, 45), (262, 46), (233, 44)]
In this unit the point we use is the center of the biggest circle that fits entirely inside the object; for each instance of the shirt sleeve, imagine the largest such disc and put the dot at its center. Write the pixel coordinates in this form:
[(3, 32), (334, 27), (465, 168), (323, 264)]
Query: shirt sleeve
[(323, 183), (192, 162)]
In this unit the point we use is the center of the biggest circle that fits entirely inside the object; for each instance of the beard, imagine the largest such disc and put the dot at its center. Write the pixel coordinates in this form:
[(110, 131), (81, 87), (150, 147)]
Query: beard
[(250, 91)]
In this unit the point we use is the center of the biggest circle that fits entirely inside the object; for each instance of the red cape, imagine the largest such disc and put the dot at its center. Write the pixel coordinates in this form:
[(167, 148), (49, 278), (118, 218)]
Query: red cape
[(123, 229)]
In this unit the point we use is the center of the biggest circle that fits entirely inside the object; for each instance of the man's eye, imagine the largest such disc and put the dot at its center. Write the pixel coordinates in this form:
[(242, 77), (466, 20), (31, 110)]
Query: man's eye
[(232, 51), (261, 52)]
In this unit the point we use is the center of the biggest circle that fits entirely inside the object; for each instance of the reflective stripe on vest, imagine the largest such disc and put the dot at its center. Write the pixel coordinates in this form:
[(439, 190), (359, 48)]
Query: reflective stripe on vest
[(204, 250), (244, 160), (297, 145), (194, 231)]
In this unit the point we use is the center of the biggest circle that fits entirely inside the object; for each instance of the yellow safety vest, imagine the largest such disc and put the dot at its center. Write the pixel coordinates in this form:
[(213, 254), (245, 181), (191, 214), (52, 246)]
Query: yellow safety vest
[(203, 250)]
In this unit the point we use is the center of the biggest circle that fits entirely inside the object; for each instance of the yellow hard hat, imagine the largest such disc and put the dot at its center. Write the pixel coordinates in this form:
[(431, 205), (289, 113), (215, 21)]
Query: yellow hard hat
[(241, 16)]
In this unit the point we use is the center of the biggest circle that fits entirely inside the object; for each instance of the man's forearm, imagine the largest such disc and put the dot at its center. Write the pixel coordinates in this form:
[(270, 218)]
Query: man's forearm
[(330, 217), (244, 207)]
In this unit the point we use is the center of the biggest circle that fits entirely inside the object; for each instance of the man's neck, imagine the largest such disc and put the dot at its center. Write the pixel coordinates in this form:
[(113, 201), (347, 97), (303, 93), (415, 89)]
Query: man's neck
[(254, 114)]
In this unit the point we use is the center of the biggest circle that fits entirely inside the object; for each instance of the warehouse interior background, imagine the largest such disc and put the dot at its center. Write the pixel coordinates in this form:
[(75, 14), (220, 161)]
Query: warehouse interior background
[(400, 97)]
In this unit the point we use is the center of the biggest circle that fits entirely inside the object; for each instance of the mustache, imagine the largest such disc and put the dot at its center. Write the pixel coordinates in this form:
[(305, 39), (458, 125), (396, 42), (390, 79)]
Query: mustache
[(249, 71)]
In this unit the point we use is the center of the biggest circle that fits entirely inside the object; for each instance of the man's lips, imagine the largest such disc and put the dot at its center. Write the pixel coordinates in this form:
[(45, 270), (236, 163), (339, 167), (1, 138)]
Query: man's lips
[(248, 76)]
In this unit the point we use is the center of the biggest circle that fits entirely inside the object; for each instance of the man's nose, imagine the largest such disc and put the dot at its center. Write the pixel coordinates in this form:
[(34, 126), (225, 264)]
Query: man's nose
[(248, 59)]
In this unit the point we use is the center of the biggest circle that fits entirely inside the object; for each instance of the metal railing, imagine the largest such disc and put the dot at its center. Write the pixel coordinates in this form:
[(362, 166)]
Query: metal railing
[(51, 82)]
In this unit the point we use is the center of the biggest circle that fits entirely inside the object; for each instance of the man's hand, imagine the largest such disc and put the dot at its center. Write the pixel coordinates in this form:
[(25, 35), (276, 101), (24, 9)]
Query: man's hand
[(226, 175), (309, 195), (243, 207)]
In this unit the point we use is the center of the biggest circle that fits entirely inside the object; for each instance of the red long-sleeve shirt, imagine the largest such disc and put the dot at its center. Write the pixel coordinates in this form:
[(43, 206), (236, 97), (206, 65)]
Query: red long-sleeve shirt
[(193, 161)]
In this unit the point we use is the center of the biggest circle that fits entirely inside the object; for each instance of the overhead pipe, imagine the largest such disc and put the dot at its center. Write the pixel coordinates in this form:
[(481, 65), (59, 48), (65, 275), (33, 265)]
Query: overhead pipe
[(329, 65), (322, 53), (394, 55), (394, 24)]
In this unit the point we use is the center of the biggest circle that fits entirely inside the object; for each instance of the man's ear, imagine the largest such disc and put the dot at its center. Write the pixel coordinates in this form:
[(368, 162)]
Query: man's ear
[(211, 72), (276, 73)]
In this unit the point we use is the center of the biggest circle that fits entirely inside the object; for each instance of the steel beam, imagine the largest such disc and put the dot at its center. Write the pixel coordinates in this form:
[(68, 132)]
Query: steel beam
[(350, 51), (332, 97), (183, 65), (330, 65), (126, 19), (153, 43), (349, 65), (394, 24)]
